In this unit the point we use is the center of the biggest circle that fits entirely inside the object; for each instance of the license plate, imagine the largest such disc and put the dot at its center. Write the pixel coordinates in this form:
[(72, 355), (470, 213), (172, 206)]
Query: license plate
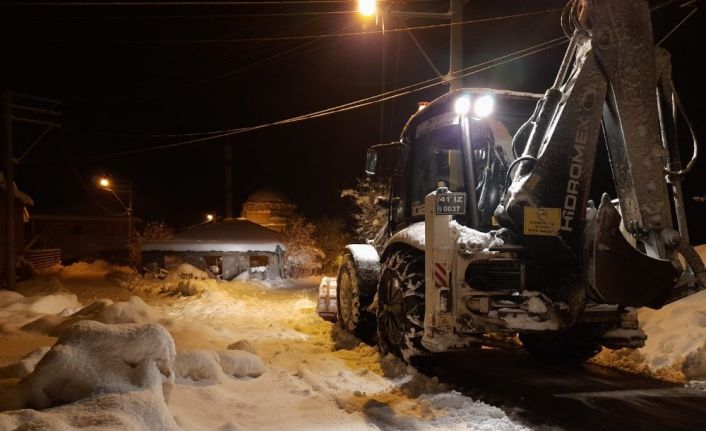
[(451, 204)]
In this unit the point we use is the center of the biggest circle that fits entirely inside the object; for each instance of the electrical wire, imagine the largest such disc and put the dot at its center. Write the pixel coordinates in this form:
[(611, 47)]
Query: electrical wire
[(183, 135), (302, 37), (85, 187), (676, 27), (241, 51), (165, 17), (282, 55), (170, 3), (356, 104)]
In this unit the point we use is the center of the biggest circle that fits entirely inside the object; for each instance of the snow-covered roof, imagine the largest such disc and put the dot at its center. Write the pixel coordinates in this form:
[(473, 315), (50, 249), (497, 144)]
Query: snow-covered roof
[(21, 196), (268, 194), (235, 235)]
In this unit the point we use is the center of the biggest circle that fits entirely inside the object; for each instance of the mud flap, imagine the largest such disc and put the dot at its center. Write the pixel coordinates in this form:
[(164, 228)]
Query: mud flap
[(619, 273)]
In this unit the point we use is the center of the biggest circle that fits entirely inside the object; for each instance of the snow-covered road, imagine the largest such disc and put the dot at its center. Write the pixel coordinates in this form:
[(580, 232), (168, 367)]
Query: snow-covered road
[(307, 375)]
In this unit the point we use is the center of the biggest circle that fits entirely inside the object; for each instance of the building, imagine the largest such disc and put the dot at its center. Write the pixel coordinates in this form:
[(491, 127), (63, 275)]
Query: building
[(20, 216), (82, 232), (227, 249), (270, 208)]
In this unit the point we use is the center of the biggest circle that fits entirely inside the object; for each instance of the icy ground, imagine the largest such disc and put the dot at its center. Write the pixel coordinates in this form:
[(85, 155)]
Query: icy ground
[(237, 356)]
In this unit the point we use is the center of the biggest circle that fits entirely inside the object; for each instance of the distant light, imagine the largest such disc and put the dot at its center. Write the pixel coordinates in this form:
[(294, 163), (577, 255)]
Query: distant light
[(421, 105), (484, 106), (104, 182), (367, 7), (462, 106), (209, 217)]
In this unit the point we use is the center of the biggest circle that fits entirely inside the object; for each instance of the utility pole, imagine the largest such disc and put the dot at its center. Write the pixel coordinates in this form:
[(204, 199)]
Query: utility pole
[(36, 111), (8, 171), (228, 156), (456, 43), (455, 17)]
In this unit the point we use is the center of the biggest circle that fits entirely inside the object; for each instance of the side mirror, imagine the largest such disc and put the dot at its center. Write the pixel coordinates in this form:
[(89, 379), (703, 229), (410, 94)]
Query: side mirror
[(385, 160)]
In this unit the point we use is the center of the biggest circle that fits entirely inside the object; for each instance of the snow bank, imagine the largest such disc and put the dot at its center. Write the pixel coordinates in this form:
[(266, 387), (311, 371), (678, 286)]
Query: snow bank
[(134, 411), (212, 367), (23, 367), (47, 304), (85, 269), (676, 340), (91, 358), (134, 310)]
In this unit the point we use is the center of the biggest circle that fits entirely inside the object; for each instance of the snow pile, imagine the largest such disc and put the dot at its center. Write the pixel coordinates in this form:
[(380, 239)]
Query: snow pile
[(21, 369), (124, 276), (16, 310), (134, 310), (676, 340), (186, 271), (47, 304), (91, 358), (85, 269), (471, 239), (140, 410), (209, 366)]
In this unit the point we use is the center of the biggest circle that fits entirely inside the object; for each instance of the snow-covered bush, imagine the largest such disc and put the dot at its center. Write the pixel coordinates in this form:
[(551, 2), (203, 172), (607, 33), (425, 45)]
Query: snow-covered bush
[(331, 238), (369, 217), (302, 256), (91, 358)]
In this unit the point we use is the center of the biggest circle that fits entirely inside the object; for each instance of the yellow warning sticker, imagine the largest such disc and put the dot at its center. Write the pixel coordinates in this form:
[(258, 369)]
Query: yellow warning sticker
[(542, 221)]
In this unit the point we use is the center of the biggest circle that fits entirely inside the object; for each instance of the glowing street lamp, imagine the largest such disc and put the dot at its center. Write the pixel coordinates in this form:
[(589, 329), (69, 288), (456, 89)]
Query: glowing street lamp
[(106, 184), (367, 7), (209, 217)]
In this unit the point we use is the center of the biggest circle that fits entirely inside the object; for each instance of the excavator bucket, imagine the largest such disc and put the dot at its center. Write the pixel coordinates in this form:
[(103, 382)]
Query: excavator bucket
[(618, 272)]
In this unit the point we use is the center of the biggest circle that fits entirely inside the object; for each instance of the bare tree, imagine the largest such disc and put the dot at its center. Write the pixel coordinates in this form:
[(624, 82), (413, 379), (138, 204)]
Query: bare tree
[(155, 231)]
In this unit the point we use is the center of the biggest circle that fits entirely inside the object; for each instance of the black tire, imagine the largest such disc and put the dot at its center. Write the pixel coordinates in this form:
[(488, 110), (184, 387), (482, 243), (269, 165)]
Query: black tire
[(352, 302), (400, 311), (568, 348)]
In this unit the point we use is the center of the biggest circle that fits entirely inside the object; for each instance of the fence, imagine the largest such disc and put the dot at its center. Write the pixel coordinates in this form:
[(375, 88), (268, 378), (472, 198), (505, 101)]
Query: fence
[(42, 259)]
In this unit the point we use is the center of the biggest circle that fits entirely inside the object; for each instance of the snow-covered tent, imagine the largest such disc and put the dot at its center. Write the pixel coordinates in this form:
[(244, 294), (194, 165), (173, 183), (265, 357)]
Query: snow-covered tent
[(227, 248)]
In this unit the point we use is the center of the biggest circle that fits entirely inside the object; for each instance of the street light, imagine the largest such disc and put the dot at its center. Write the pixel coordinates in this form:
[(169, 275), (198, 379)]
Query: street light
[(209, 217), (454, 16), (107, 184), (367, 7)]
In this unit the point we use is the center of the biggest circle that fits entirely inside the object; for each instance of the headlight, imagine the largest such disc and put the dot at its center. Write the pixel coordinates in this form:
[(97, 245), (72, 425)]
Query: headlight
[(462, 106), (483, 106)]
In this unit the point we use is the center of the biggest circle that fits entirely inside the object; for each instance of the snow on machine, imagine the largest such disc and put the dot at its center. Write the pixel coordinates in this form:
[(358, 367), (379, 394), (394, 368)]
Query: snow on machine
[(490, 235)]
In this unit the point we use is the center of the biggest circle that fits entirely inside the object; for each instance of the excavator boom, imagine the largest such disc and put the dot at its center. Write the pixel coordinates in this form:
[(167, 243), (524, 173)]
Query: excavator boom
[(608, 82)]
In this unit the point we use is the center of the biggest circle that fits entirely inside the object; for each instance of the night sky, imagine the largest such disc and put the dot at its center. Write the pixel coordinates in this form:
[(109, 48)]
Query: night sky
[(157, 69)]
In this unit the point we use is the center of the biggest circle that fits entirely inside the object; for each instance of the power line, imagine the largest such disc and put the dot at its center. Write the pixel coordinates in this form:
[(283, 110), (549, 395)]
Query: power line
[(301, 37), (676, 27), (359, 103), (85, 187), (170, 3), (199, 16), (288, 53)]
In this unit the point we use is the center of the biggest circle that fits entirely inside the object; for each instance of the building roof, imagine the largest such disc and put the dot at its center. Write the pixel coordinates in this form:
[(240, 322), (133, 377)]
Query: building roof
[(268, 194), (19, 195), (230, 235)]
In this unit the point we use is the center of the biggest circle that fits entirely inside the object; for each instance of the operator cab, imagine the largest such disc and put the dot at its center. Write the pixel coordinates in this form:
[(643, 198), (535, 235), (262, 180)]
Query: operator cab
[(462, 138)]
